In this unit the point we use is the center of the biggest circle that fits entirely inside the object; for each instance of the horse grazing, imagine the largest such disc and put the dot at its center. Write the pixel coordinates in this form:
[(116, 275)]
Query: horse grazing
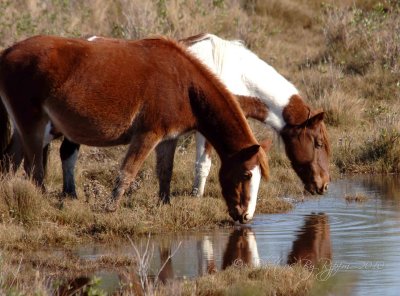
[(302, 129), (128, 92), (264, 95)]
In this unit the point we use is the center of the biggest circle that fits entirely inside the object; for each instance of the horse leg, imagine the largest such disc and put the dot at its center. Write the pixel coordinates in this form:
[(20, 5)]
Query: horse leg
[(46, 151), (165, 163), (141, 146), (31, 134), (202, 166), (69, 155), (13, 154)]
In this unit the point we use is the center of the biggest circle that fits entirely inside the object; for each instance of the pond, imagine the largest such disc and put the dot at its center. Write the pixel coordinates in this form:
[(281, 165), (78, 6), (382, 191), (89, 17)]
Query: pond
[(362, 238)]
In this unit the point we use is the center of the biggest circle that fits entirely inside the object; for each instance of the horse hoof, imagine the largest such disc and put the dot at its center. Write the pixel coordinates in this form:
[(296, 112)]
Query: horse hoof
[(195, 192)]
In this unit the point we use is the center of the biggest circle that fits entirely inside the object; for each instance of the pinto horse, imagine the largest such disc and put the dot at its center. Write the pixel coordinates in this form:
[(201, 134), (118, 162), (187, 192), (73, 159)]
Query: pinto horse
[(264, 95), (128, 92), (268, 97)]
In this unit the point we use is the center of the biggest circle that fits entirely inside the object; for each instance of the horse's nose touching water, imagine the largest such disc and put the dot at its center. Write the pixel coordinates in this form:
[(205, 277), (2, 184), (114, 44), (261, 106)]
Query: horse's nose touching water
[(198, 100)]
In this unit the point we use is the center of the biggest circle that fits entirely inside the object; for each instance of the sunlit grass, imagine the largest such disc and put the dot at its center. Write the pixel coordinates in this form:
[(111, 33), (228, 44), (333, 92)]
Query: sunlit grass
[(343, 56)]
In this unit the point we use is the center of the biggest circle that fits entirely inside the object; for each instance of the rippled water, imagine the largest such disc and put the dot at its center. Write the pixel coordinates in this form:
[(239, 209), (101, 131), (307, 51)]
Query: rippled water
[(362, 240)]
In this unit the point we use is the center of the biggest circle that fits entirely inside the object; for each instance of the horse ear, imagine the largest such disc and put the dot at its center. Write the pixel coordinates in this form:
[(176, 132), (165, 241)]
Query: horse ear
[(316, 119), (266, 144), (247, 153)]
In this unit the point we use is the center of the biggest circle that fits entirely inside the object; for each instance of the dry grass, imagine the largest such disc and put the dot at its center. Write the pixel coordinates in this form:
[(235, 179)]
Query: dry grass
[(330, 68), (342, 55), (262, 281), (20, 200), (32, 219), (358, 198), (41, 274)]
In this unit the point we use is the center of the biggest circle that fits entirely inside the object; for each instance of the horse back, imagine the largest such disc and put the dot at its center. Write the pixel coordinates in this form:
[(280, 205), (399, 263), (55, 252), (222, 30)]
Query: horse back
[(108, 89)]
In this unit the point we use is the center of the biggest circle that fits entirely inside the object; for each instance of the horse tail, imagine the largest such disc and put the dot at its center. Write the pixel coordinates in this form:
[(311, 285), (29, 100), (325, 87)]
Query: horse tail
[(5, 129), (5, 125)]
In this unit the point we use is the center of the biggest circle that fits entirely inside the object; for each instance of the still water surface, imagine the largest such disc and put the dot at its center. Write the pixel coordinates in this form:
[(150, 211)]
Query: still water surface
[(362, 240)]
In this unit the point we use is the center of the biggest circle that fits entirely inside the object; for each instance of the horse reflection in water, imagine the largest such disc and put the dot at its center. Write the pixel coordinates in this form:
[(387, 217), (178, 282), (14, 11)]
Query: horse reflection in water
[(167, 271), (312, 246), (241, 250), (76, 286)]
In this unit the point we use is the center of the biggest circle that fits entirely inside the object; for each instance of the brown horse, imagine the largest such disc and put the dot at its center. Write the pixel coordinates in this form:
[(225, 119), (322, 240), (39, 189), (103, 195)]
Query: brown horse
[(263, 94), (241, 249), (312, 246), (132, 92)]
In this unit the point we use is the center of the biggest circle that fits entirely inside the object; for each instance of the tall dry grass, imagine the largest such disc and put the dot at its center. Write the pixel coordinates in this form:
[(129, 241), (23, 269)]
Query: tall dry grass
[(23, 278), (324, 48), (342, 55), (21, 202)]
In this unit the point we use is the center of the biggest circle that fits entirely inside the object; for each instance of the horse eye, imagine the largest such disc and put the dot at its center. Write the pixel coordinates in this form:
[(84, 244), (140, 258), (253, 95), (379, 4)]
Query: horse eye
[(319, 144), (247, 175)]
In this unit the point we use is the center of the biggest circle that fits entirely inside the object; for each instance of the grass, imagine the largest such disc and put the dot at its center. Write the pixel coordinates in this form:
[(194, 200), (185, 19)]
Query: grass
[(342, 55), (20, 274), (358, 198), (31, 219)]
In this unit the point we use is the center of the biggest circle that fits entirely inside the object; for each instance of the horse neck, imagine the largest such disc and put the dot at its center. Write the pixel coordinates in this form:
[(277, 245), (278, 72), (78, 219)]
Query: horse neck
[(266, 84), (253, 107), (221, 121), (251, 77)]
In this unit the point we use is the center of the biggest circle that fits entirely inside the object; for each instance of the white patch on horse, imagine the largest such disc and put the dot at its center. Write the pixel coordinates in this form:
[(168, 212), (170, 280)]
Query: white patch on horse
[(203, 51), (244, 73), (254, 185), (93, 38)]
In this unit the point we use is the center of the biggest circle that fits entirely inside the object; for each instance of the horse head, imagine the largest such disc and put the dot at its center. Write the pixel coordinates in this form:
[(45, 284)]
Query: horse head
[(241, 249), (239, 177), (307, 147)]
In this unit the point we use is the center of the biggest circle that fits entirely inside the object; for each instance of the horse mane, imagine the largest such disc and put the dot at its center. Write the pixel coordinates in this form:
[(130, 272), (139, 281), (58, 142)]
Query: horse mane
[(215, 39), (5, 125), (232, 102), (325, 138), (264, 167), (219, 47), (5, 129), (194, 39)]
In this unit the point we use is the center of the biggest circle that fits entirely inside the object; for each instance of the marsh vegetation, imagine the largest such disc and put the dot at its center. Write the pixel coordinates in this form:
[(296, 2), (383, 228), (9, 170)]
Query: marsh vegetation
[(344, 56)]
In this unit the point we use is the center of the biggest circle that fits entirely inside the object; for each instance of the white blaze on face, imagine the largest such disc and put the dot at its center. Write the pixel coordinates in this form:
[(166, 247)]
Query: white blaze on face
[(254, 185)]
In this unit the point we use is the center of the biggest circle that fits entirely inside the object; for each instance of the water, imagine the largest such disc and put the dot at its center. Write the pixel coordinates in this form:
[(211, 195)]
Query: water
[(362, 240)]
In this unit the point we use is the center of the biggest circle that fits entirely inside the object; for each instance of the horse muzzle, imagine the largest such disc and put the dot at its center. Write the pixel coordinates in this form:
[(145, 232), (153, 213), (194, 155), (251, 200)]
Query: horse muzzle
[(239, 215), (314, 189)]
